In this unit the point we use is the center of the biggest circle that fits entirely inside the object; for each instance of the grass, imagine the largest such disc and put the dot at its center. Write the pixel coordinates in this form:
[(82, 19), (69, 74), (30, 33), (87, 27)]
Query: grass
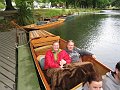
[(58, 12), (4, 25)]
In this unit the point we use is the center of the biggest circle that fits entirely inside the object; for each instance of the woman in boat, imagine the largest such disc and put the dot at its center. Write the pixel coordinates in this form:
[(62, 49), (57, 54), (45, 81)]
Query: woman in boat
[(112, 79), (76, 53), (56, 58), (93, 82)]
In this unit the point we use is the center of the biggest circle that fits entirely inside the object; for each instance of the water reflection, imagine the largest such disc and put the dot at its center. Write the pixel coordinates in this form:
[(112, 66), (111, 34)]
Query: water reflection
[(97, 33)]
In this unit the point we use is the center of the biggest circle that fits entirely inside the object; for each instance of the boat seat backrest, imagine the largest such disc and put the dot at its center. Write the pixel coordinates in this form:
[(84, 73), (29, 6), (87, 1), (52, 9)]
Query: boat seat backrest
[(44, 41), (41, 45), (42, 50)]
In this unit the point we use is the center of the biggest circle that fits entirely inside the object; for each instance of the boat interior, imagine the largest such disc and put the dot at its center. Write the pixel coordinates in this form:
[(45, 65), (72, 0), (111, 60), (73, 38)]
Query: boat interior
[(41, 41)]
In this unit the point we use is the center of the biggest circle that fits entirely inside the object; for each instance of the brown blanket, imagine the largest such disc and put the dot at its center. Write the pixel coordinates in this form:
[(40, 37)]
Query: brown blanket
[(70, 76)]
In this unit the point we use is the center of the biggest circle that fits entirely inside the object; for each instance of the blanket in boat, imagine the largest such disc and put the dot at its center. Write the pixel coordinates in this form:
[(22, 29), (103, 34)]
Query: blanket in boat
[(70, 76)]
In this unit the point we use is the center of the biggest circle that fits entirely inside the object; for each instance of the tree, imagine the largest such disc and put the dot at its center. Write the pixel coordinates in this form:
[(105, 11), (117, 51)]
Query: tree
[(25, 11), (9, 5), (116, 3), (94, 3), (2, 6), (102, 3)]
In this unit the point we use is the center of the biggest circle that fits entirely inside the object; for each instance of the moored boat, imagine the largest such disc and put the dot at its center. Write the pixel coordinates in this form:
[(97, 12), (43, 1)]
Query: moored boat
[(44, 24), (41, 41)]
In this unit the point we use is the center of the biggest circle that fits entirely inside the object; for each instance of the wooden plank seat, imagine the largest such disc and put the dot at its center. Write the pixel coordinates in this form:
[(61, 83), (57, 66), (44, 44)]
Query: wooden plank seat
[(44, 41), (42, 50), (41, 45), (39, 34)]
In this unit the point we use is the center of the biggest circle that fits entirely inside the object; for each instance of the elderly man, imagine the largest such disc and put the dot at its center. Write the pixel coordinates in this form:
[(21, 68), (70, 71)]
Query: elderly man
[(76, 53)]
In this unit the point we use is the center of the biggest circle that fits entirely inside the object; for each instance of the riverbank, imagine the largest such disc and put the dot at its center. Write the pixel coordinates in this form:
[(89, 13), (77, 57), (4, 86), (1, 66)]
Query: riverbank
[(40, 14), (49, 13)]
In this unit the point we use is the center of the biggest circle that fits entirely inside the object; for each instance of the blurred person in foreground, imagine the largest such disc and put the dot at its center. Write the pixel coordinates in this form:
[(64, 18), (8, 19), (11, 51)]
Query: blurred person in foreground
[(112, 79), (93, 82)]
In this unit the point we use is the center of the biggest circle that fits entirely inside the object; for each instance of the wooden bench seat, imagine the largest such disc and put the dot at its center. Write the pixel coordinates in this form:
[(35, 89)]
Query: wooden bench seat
[(42, 50), (40, 34), (44, 41), (41, 45)]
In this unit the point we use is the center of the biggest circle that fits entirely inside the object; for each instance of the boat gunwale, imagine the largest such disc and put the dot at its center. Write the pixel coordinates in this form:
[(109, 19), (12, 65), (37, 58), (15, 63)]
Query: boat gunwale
[(39, 70), (42, 26)]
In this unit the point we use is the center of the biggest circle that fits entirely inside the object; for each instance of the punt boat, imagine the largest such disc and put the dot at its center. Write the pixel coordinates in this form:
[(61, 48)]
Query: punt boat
[(41, 41), (44, 24)]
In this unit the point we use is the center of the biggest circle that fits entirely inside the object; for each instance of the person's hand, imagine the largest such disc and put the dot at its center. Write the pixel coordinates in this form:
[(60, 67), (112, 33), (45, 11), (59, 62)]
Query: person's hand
[(61, 66), (93, 56), (62, 62)]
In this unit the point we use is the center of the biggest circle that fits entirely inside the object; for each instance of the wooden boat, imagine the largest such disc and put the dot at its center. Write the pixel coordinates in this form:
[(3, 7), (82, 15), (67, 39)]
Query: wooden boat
[(44, 24), (41, 40)]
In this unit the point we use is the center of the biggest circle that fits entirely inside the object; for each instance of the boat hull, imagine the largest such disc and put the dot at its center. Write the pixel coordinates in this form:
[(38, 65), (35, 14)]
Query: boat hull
[(36, 36), (43, 26)]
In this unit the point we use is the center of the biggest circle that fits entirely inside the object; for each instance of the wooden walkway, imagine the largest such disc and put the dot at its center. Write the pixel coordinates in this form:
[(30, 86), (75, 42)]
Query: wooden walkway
[(17, 70), (7, 60), (27, 76)]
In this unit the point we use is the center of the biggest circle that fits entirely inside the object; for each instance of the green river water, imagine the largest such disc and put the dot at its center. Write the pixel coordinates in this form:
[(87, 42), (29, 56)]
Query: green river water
[(98, 33)]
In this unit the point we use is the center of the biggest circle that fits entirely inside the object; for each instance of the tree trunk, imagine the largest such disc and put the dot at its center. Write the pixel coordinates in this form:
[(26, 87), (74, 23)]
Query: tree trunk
[(67, 5), (94, 3), (9, 5)]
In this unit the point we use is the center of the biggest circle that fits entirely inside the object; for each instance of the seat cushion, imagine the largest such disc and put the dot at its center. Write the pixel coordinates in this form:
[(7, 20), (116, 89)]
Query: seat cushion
[(41, 59)]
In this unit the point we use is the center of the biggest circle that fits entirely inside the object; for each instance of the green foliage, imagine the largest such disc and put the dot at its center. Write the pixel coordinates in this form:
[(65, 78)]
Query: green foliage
[(2, 5), (4, 25), (103, 3), (25, 12), (52, 12), (83, 3), (2, 1), (48, 13), (116, 3)]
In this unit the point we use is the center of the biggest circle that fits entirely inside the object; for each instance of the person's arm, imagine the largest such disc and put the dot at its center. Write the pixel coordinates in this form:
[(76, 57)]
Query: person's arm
[(83, 52), (106, 86), (49, 62), (66, 57)]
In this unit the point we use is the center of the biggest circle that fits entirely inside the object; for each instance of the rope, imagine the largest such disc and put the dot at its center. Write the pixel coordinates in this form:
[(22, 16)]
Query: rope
[(23, 44), (17, 26)]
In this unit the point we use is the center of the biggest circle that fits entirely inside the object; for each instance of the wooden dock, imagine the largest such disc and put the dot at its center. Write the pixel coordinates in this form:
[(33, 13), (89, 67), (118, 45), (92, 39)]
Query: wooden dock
[(27, 77), (17, 70), (7, 60)]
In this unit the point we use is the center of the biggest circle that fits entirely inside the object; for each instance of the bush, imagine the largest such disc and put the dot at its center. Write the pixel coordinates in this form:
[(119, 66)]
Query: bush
[(25, 13), (2, 6)]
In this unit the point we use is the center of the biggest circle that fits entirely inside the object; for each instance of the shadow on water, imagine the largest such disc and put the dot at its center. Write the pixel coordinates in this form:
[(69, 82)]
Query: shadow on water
[(97, 33)]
